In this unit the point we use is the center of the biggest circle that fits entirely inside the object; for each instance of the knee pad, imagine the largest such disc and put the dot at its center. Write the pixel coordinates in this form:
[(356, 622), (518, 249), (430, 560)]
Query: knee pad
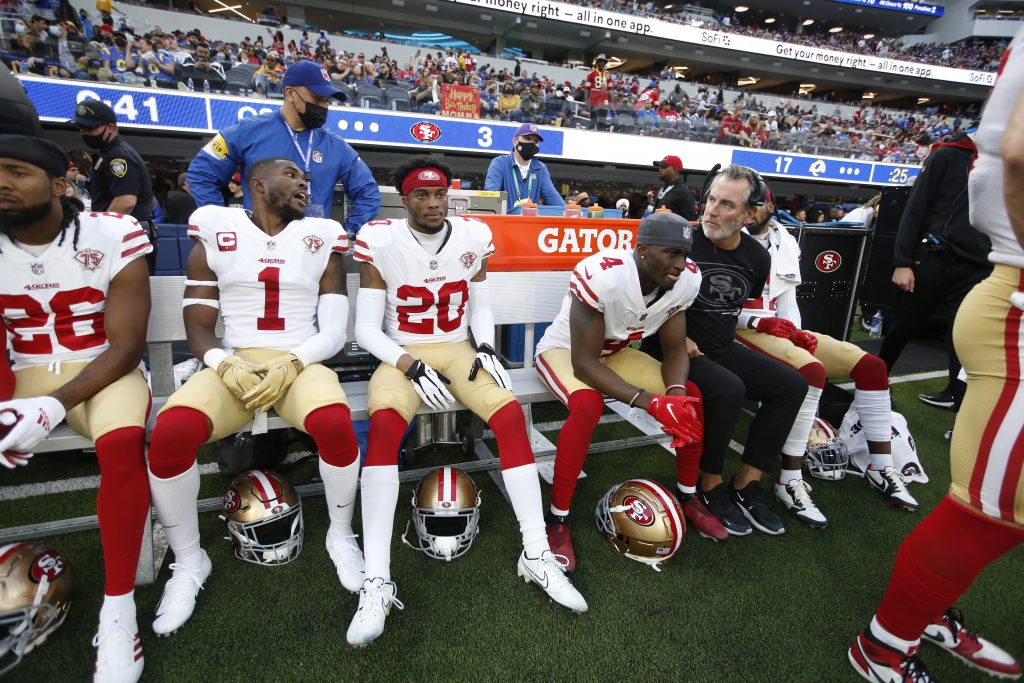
[(814, 374), (176, 439), (870, 374)]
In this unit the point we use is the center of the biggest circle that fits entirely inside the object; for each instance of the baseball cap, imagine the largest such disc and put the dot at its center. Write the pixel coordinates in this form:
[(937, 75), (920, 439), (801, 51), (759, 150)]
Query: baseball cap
[(771, 112), (92, 113), (600, 57), (666, 229), (237, 177), (671, 160), (529, 129), (312, 76), (106, 27)]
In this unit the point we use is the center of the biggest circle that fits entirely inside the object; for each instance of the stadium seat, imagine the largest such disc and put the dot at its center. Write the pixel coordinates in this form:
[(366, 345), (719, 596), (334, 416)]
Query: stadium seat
[(369, 96), (397, 98)]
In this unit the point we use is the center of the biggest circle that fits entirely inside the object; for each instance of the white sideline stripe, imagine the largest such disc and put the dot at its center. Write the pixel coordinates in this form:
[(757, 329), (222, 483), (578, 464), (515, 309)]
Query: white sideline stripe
[(86, 483), (900, 379)]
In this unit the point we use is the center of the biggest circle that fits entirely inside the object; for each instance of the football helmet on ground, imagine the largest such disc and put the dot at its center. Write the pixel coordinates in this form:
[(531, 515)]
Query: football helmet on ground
[(35, 592), (642, 520), (264, 517), (445, 514), (826, 454)]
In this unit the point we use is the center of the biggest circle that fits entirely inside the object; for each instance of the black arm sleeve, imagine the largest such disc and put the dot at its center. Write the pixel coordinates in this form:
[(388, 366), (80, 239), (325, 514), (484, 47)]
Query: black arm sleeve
[(913, 224)]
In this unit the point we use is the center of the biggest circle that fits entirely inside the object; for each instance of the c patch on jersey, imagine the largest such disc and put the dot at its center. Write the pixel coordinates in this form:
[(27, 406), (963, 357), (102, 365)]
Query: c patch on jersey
[(119, 167), (217, 147), (227, 241), (89, 258)]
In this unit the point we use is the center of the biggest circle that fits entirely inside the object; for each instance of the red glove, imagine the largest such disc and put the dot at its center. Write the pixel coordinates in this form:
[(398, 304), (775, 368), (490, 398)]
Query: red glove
[(678, 418), (777, 327), (805, 340)]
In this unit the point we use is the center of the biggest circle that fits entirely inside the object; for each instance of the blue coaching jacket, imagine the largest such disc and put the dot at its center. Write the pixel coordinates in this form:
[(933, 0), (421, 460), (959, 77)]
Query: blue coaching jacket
[(503, 174), (329, 157)]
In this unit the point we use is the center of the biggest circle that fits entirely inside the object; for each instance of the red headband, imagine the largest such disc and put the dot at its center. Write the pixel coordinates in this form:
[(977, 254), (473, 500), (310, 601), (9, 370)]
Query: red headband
[(428, 176)]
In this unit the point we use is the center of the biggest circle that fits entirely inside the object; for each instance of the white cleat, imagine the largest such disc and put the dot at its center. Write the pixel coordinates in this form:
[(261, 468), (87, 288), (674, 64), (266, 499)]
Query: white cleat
[(894, 489), (548, 572), (348, 560), (179, 598), (796, 496), (375, 601), (118, 652)]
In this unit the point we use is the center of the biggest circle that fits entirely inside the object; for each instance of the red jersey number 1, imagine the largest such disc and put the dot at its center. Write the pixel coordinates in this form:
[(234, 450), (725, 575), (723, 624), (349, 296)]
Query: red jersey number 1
[(271, 321)]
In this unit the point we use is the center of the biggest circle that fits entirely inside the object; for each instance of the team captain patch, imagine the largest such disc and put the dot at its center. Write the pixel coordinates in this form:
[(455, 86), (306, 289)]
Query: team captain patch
[(118, 167)]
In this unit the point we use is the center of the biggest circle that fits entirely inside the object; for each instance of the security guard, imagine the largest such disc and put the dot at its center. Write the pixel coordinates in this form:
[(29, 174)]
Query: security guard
[(294, 132), (119, 181)]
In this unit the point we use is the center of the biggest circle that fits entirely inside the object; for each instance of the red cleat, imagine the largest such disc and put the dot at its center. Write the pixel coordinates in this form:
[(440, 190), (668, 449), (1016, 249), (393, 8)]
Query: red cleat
[(880, 663), (698, 516), (949, 633), (560, 540)]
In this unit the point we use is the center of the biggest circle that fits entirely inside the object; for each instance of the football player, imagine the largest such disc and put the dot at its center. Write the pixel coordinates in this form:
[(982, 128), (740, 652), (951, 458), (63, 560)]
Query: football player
[(425, 279), (982, 517), (770, 323), (615, 297), (75, 302), (278, 281)]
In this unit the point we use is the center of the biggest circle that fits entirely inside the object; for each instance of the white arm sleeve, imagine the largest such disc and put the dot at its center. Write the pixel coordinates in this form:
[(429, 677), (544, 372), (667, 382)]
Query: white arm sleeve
[(370, 305), (481, 317), (787, 307), (331, 318)]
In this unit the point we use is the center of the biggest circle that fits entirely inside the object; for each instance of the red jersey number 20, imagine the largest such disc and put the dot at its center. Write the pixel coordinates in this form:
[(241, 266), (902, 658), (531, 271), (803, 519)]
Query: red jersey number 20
[(429, 312)]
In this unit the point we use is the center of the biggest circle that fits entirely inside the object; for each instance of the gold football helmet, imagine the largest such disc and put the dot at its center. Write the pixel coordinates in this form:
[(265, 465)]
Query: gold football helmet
[(35, 592), (445, 514), (826, 455), (643, 521), (264, 517)]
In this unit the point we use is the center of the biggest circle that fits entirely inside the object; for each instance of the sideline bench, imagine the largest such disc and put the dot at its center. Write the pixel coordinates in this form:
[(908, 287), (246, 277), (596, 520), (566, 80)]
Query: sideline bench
[(517, 298)]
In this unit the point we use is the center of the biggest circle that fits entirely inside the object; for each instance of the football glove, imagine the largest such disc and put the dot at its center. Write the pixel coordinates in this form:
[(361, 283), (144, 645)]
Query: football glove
[(34, 419), (777, 327), (238, 375), (678, 418), (278, 374), (429, 384), (805, 340), (487, 359), (8, 418)]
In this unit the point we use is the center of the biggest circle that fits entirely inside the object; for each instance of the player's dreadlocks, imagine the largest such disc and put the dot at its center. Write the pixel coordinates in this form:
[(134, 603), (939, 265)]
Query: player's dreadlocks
[(70, 207)]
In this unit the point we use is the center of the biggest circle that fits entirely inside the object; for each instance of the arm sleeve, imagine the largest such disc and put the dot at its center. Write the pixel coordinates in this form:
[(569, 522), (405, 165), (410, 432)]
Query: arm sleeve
[(124, 176), (361, 188), (547, 189), (331, 318), (787, 307), (211, 168), (912, 223), (493, 182), (481, 316), (370, 305)]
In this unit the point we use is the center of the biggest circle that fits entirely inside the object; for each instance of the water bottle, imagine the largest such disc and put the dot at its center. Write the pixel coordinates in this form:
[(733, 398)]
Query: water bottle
[(191, 85), (206, 85), (876, 325)]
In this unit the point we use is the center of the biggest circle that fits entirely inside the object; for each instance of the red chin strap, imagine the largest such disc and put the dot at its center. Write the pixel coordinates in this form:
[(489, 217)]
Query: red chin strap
[(428, 176)]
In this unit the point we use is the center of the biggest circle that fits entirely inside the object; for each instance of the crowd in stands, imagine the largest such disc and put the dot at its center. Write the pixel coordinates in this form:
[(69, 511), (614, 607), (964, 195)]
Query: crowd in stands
[(73, 44)]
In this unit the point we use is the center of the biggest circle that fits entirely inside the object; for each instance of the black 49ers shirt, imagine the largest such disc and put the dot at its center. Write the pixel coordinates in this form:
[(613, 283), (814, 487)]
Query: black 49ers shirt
[(728, 278)]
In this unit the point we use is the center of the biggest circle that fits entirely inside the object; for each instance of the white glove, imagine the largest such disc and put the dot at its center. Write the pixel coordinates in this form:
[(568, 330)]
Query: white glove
[(36, 417), (429, 384), (8, 418), (487, 359), (1017, 299)]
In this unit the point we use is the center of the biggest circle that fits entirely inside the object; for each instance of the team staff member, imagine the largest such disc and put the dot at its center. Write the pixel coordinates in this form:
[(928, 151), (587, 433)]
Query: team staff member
[(74, 300), (675, 195), (295, 132), (520, 175), (982, 518)]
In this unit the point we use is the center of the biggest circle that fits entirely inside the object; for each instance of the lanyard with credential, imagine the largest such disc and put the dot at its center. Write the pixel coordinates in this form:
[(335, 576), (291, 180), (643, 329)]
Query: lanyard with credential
[(305, 157), (519, 181)]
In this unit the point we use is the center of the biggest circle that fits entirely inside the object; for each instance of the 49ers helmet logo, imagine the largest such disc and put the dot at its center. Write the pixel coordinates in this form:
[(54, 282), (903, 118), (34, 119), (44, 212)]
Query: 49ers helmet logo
[(828, 261), (639, 511), (49, 564), (232, 501), (424, 131)]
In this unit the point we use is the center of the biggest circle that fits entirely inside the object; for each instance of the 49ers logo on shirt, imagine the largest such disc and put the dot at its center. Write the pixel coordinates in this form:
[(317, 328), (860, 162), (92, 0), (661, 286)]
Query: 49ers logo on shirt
[(89, 258), (313, 243), (424, 131), (828, 261), (50, 564), (227, 241), (638, 511)]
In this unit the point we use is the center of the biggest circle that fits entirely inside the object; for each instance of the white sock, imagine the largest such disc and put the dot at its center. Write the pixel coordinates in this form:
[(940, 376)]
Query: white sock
[(175, 503), (786, 476), (523, 488), (879, 461), (379, 495), (880, 632), (875, 411), (118, 605), (340, 485), (796, 442), (559, 513), (686, 490)]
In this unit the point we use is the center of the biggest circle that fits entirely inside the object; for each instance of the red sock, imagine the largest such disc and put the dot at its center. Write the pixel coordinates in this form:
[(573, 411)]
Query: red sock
[(585, 408), (122, 504), (688, 457), (509, 427), (869, 374), (815, 374), (387, 428), (331, 428), (937, 562), (176, 439), (6, 379)]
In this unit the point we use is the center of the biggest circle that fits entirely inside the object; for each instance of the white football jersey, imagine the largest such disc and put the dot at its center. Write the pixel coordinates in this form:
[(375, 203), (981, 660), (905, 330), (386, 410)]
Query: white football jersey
[(608, 282), (269, 286), (53, 304), (427, 294)]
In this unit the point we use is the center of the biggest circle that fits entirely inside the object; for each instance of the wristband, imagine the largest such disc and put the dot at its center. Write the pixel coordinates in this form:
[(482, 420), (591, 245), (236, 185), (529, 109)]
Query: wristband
[(214, 357), (632, 401), (676, 386)]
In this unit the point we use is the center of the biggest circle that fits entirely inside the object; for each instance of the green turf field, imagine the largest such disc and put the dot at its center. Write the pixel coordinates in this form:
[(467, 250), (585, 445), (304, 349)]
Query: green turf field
[(750, 609)]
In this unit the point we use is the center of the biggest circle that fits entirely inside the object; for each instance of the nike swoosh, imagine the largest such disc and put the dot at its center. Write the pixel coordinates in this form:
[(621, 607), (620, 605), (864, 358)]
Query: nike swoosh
[(543, 584), (671, 412)]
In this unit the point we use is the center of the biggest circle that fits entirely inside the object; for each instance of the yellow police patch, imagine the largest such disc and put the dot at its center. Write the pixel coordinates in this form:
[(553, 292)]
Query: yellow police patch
[(118, 167), (217, 147)]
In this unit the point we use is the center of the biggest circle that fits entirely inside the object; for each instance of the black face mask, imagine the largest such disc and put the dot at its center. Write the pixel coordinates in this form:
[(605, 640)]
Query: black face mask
[(94, 141), (527, 150), (315, 116)]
